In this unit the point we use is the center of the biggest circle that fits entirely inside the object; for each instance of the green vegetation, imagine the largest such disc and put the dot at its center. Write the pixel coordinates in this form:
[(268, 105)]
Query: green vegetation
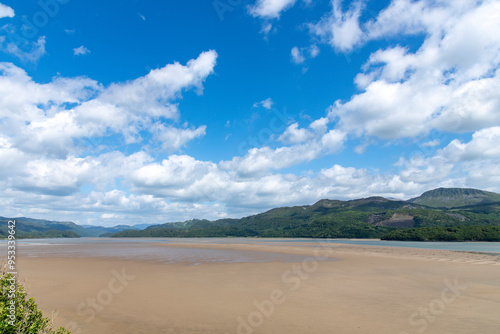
[(49, 234), (20, 314), (455, 197), (456, 233), (39, 228), (325, 219), (317, 229), (361, 218)]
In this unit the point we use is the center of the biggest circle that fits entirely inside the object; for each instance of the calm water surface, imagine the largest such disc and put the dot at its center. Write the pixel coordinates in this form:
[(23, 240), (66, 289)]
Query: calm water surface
[(142, 249), (150, 248)]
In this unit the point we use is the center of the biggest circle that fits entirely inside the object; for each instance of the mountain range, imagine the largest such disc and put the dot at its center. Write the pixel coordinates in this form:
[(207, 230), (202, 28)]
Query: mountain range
[(39, 228), (455, 197), (360, 218)]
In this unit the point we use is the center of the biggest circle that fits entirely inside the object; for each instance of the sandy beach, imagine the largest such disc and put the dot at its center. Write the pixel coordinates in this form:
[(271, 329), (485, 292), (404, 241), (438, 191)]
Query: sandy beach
[(335, 289)]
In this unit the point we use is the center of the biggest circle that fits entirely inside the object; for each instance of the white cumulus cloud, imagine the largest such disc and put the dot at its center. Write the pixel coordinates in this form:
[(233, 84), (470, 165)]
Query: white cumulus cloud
[(449, 83), (173, 138), (299, 55), (266, 104), (54, 134), (6, 11), (81, 50), (270, 9), (341, 29), (27, 51)]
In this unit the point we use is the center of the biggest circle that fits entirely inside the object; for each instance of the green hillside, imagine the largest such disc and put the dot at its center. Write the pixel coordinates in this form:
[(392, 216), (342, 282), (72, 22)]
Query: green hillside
[(39, 228), (325, 219), (362, 218), (455, 197), (370, 217), (456, 233)]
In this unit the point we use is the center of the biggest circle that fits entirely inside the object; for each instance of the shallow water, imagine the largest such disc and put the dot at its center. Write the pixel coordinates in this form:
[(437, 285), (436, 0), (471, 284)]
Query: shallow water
[(142, 249), (150, 248), (482, 247)]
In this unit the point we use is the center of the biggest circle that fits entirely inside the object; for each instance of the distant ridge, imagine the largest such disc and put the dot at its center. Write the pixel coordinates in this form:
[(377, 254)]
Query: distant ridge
[(369, 217), (41, 228), (455, 197)]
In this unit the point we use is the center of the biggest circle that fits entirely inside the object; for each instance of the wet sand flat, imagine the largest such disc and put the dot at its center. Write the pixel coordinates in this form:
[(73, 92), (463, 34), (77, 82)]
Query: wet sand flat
[(334, 289)]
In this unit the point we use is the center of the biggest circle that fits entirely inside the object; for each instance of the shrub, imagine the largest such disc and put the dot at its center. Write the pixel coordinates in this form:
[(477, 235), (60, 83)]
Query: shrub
[(19, 314)]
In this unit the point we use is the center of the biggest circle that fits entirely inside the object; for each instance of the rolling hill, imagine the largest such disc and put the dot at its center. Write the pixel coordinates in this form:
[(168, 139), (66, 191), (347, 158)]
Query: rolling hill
[(361, 218), (369, 217), (455, 197), (39, 228)]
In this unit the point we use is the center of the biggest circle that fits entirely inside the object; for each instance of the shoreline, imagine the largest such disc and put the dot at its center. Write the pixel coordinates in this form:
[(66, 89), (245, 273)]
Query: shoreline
[(426, 245), (364, 290), (250, 238)]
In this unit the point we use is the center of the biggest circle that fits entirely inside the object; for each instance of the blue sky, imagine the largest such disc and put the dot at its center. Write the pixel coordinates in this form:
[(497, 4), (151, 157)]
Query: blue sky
[(149, 111)]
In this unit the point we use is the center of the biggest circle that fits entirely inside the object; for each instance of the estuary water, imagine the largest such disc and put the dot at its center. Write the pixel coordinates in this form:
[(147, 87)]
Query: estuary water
[(142, 250), (151, 248)]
